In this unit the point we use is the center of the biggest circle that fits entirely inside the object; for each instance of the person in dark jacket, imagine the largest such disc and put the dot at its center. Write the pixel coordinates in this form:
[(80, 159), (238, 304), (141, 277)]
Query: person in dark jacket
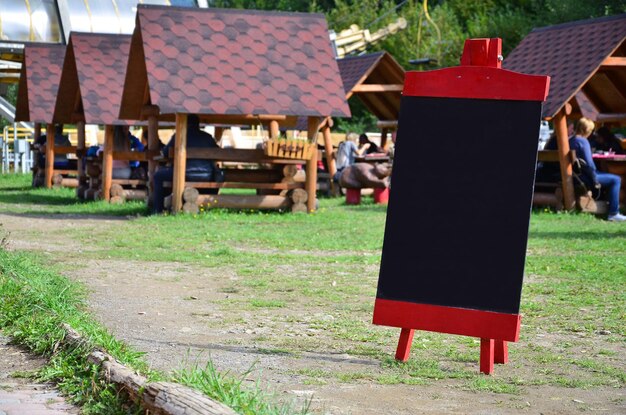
[(60, 140), (196, 170), (610, 183)]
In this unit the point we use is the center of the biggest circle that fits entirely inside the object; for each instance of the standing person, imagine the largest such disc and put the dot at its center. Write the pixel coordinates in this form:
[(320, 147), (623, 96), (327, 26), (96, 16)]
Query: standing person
[(366, 146), (610, 183), (346, 152), (196, 170)]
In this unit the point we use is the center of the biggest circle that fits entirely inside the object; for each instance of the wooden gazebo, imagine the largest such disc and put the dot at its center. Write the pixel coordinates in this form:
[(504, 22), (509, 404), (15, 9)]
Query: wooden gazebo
[(90, 92), (231, 67), (377, 80), (37, 92), (586, 61)]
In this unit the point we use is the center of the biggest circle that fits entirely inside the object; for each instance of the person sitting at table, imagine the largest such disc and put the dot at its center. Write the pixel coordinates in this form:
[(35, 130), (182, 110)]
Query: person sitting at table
[(196, 170), (609, 183), (60, 160), (123, 141), (605, 140), (366, 146)]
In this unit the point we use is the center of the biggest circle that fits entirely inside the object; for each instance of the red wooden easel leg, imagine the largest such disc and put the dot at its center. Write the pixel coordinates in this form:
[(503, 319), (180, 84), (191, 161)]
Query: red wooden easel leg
[(404, 345), (501, 351), (486, 356)]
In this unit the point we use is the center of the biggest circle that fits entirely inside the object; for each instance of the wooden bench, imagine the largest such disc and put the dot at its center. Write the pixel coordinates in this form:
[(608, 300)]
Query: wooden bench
[(121, 189), (273, 180), (551, 193)]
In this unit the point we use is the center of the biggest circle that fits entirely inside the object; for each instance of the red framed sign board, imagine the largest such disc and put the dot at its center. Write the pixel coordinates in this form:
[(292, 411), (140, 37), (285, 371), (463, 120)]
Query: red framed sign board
[(454, 263)]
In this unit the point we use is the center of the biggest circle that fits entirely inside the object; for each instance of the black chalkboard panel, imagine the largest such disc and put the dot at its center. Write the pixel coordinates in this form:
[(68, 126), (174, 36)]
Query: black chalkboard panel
[(459, 208)]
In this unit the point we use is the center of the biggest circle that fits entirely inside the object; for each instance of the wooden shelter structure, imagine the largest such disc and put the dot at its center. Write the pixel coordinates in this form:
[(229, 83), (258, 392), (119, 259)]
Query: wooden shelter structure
[(37, 92), (90, 88), (231, 67), (377, 80), (586, 61)]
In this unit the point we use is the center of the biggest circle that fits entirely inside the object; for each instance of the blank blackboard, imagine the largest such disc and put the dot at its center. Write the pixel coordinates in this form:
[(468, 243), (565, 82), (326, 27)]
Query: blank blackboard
[(460, 200)]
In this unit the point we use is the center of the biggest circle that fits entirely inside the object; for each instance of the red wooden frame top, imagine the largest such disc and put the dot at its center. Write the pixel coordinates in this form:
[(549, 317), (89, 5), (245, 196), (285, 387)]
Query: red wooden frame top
[(479, 77)]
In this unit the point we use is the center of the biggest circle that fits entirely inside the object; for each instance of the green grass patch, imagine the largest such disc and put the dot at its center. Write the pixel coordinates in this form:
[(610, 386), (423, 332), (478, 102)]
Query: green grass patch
[(18, 196), (316, 274)]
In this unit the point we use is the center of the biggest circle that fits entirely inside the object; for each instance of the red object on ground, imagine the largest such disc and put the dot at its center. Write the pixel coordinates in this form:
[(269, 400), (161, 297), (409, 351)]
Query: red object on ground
[(381, 195), (353, 196)]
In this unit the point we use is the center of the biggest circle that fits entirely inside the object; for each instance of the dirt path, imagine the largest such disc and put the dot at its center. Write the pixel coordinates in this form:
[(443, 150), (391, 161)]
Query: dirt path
[(168, 311)]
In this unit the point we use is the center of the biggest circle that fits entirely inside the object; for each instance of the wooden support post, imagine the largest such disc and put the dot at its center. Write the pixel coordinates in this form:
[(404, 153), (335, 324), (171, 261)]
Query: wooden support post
[(274, 130), (404, 345), (219, 132), (49, 155), (153, 145), (37, 131), (179, 163), (107, 162), (311, 164), (330, 160), (384, 144), (501, 352), (80, 149), (562, 140), (486, 356)]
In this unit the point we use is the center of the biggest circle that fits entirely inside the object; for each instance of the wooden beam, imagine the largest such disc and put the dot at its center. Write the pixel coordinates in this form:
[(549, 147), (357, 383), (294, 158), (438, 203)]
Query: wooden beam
[(242, 155), (311, 164), (390, 125), (245, 201), (611, 117), (49, 154), (107, 162), (377, 88), (613, 61), (330, 160), (562, 139), (179, 163)]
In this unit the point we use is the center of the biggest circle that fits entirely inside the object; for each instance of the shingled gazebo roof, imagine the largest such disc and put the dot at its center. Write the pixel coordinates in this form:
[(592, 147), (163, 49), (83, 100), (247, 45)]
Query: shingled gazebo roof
[(39, 82), (584, 57), (93, 78), (374, 69), (232, 62)]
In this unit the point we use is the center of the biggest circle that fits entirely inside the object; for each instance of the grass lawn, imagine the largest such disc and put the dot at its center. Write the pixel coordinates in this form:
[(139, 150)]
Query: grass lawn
[(319, 272)]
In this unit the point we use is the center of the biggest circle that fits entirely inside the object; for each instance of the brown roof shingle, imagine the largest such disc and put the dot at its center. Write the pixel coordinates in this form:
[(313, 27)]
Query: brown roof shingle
[(569, 53), (227, 61), (39, 82), (95, 66)]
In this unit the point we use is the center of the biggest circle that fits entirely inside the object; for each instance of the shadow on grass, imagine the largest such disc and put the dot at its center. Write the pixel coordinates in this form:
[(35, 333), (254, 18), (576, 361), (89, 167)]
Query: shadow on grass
[(37, 199), (16, 189), (585, 235)]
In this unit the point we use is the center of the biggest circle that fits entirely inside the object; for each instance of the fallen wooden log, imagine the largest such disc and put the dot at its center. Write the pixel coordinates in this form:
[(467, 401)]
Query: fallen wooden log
[(244, 201), (60, 181), (159, 398)]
